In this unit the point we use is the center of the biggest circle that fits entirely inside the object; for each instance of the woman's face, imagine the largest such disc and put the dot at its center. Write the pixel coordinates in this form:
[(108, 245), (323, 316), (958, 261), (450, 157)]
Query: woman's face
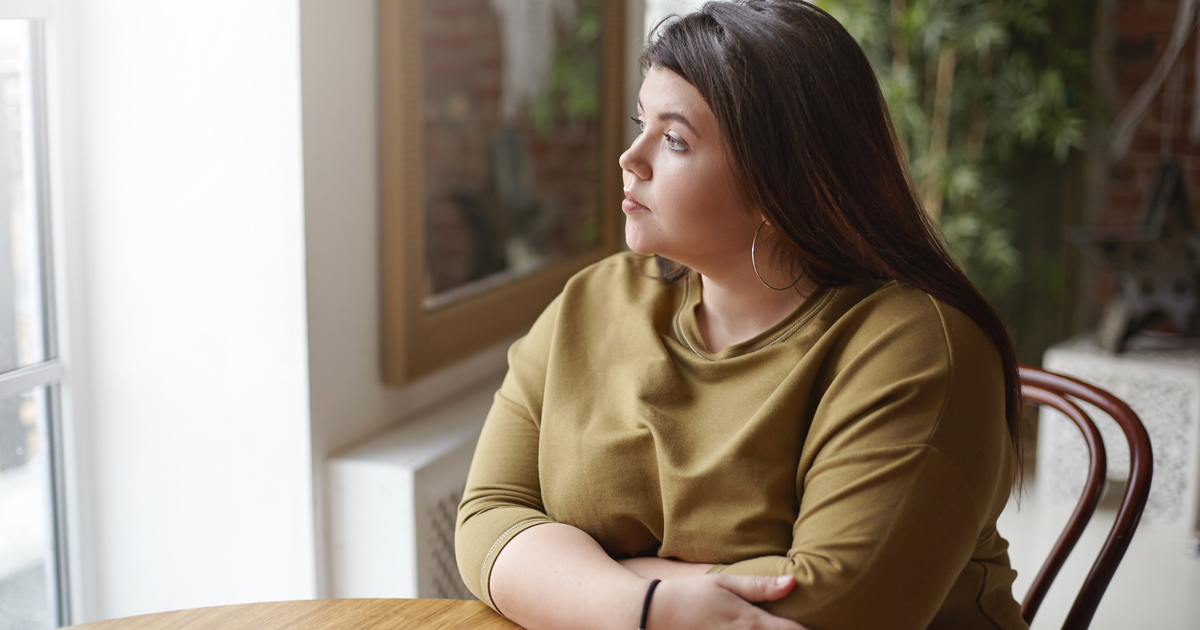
[(681, 199)]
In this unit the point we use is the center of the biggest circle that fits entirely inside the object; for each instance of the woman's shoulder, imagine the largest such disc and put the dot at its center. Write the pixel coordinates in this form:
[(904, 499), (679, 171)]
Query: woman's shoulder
[(620, 280), (911, 322), (898, 344), (623, 289)]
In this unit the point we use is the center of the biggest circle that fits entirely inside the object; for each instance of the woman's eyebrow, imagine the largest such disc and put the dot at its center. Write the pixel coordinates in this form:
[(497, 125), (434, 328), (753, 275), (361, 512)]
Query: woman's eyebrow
[(679, 117), (672, 115)]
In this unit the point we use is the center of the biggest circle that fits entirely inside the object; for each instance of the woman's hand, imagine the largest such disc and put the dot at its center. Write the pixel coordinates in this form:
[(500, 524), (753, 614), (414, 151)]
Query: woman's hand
[(719, 601)]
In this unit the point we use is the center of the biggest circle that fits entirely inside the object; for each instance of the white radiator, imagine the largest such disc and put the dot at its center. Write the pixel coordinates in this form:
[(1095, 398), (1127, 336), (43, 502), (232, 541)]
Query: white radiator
[(393, 500)]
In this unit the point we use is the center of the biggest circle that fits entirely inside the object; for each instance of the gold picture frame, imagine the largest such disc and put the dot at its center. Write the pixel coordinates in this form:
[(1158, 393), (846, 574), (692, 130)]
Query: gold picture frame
[(419, 339)]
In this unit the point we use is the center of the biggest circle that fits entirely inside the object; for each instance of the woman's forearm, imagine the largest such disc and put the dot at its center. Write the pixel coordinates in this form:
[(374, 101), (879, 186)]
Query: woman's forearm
[(664, 568), (556, 576)]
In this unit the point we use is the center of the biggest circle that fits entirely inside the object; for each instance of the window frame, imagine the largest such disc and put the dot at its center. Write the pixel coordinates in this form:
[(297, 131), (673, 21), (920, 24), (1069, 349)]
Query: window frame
[(50, 373)]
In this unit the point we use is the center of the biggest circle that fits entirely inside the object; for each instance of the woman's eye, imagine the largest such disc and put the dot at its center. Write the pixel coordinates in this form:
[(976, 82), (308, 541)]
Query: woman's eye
[(639, 122), (675, 144)]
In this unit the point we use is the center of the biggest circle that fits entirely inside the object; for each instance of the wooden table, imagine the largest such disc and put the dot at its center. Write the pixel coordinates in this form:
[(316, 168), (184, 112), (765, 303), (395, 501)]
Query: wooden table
[(321, 614)]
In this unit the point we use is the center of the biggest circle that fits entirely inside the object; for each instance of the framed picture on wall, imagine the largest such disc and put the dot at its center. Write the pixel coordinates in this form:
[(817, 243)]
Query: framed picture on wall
[(500, 132)]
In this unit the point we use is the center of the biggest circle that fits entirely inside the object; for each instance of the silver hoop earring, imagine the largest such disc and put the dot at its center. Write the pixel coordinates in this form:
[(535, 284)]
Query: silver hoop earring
[(755, 264)]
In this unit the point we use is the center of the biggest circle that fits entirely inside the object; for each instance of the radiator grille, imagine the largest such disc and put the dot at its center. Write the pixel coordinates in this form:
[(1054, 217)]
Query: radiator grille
[(447, 583)]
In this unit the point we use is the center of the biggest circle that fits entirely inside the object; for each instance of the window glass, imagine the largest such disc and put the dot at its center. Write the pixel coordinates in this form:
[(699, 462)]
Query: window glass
[(30, 570), (26, 539), (22, 297)]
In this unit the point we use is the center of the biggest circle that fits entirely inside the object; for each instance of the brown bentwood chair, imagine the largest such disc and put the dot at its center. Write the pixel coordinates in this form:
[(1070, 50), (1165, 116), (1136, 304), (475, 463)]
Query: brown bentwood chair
[(1040, 387)]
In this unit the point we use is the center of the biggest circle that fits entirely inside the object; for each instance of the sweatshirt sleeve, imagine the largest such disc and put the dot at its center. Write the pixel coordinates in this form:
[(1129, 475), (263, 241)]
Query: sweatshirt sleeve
[(906, 459), (503, 492)]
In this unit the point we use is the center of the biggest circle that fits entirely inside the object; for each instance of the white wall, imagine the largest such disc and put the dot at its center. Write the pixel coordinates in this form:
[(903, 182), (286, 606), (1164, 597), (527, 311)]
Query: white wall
[(224, 255), (191, 236)]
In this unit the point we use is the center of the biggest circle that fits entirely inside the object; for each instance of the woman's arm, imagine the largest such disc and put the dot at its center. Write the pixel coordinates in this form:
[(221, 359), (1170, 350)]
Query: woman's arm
[(544, 574), (663, 568), (556, 576), (548, 575)]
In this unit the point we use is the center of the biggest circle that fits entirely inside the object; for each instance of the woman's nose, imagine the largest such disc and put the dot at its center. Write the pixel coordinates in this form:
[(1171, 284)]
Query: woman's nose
[(633, 161)]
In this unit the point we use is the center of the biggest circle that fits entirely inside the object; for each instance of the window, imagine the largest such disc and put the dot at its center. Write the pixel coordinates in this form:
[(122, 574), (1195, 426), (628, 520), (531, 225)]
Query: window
[(32, 574), (522, 162)]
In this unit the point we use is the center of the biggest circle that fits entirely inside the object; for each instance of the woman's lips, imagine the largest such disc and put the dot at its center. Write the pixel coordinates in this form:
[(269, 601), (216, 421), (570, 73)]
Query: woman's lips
[(630, 205)]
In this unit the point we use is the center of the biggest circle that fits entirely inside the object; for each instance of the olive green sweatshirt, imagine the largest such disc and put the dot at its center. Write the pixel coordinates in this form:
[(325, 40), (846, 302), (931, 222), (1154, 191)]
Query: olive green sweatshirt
[(860, 444)]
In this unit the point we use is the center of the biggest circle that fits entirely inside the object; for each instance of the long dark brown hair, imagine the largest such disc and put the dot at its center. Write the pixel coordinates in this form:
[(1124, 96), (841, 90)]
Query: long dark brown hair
[(811, 144)]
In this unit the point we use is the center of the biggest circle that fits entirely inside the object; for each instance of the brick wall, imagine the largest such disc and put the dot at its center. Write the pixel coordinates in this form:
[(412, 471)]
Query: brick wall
[(1142, 29)]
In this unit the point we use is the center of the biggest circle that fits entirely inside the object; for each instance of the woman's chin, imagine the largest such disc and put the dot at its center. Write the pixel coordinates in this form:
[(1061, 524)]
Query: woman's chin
[(638, 250), (639, 245)]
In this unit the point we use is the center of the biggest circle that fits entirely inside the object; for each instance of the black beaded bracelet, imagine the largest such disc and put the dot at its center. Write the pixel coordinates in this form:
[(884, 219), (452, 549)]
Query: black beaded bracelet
[(646, 604)]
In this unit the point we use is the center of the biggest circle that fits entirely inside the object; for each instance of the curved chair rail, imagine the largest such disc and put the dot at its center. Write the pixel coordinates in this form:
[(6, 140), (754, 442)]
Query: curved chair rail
[(1047, 388), (1092, 490)]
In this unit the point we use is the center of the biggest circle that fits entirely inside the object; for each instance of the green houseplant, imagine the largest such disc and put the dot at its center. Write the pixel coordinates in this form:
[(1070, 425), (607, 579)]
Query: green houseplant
[(975, 87)]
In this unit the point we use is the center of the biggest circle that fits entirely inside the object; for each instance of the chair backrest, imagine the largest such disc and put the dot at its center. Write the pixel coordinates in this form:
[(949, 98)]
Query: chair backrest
[(1040, 387)]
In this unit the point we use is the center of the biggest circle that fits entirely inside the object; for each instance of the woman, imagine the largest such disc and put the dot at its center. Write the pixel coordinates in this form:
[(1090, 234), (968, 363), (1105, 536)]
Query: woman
[(798, 411)]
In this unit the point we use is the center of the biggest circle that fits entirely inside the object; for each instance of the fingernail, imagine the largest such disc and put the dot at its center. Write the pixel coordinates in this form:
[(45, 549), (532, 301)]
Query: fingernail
[(782, 580)]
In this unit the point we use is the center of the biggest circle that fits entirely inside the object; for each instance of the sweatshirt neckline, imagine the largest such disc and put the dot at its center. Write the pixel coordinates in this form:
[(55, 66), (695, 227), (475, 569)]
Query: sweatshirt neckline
[(687, 331)]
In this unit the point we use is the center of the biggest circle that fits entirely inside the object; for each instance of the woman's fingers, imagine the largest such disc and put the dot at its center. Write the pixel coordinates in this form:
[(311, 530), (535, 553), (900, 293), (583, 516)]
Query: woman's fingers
[(762, 588), (757, 588)]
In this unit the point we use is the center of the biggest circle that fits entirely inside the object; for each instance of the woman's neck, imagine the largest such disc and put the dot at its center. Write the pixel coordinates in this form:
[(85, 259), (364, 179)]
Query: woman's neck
[(736, 306)]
